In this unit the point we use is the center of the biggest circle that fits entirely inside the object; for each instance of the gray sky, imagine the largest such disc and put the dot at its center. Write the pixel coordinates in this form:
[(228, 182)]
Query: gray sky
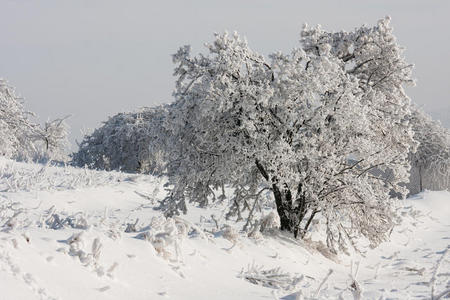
[(94, 58)]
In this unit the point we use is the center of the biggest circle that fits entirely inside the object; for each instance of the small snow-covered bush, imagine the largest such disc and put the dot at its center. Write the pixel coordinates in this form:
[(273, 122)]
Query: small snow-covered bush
[(9, 216), (76, 221), (166, 236), (271, 278), (13, 216), (88, 253)]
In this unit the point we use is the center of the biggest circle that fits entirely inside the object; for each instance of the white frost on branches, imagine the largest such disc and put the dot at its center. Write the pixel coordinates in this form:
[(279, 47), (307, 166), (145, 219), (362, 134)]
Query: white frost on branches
[(22, 139), (430, 164), (309, 126), (16, 129), (54, 139), (131, 142)]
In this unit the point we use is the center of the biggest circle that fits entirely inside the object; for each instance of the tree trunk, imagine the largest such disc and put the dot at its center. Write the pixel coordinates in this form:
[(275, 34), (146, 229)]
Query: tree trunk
[(420, 179), (291, 213), (313, 214), (282, 209)]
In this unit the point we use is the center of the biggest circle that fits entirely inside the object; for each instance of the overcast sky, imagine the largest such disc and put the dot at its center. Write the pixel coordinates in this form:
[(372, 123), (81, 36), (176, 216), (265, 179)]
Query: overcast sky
[(93, 58)]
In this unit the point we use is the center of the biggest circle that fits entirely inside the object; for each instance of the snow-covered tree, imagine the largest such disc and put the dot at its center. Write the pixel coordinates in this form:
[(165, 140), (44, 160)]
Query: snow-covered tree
[(308, 127), (16, 130), (21, 138), (431, 162), (131, 142), (53, 140)]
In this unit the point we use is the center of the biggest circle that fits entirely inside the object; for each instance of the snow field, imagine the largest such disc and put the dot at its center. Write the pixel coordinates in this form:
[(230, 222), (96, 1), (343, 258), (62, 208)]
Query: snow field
[(63, 236)]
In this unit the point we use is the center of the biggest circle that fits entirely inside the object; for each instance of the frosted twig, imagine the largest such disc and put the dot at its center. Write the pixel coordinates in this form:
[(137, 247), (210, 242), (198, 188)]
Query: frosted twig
[(442, 294), (434, 275), (355, 287), (322, 283)]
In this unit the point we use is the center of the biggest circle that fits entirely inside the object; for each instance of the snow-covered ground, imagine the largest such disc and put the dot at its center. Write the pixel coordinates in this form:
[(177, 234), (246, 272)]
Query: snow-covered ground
[(69, 233)]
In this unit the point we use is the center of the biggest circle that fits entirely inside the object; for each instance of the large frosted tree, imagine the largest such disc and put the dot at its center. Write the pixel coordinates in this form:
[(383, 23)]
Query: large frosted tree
[(308, 127)]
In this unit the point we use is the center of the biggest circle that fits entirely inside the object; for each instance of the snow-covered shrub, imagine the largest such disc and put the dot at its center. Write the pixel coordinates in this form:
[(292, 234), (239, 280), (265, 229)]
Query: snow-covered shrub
[(430, 164), (13, 216), (166, 236), (271, 278), (10, 214), (88, 256), (292, 125), (130, 142), (56, 221), (270, 221), (131, 227)]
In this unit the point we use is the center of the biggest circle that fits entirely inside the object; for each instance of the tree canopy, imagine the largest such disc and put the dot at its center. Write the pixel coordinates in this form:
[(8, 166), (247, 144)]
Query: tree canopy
[(431, 162), (23, 139), (309, 127), (131, 142)]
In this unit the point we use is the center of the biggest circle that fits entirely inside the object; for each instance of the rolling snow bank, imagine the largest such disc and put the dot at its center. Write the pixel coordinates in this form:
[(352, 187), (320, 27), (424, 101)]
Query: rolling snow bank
[(68, 233)]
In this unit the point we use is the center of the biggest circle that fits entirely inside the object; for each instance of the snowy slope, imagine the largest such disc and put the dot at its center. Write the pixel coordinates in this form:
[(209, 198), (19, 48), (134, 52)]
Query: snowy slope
[(63, 236)]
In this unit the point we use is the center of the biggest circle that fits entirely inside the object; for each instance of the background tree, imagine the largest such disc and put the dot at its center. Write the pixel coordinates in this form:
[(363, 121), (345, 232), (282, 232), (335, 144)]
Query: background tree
[(54, 139), (131, 142), (308, 127), (21, 138), (16, 130), (430, 164)]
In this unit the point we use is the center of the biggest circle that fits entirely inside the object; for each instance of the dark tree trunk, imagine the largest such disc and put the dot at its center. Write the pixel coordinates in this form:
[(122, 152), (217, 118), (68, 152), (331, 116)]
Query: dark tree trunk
[(291, 213), (420, 179), (311, 217), (282, 209)]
